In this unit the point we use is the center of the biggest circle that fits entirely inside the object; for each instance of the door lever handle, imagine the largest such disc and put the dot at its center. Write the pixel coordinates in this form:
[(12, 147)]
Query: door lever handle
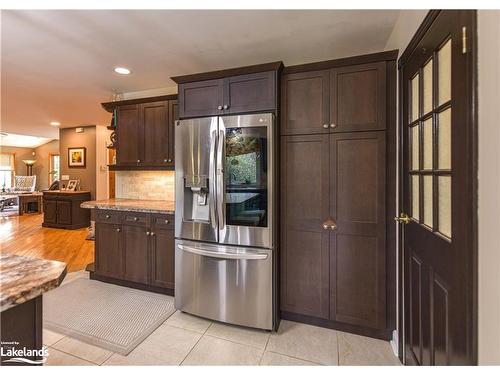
[(402, 219)]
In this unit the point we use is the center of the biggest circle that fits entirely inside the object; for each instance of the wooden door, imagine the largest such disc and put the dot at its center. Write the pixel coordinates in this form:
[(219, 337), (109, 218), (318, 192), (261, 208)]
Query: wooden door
[(109, 254), (135, 253), (162, 257), (200, 99), (49, 211), (250, 93), (64, 212), (305, 103), (357, 244), (358, 97), (173, 112), (155, 121), (438, 193), (304, 241), (129, 133)]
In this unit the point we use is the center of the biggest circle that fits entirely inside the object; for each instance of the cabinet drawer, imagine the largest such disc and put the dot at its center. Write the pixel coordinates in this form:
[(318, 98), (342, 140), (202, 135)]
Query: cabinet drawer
[(136, 218), (163, 221), (111, 217)]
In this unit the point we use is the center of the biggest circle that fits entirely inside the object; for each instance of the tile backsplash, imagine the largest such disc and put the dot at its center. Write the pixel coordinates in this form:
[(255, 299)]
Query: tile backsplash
[(145, 185)]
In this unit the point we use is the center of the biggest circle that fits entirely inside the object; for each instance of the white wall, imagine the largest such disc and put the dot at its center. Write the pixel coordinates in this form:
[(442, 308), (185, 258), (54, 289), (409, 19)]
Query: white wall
[(489, 186)]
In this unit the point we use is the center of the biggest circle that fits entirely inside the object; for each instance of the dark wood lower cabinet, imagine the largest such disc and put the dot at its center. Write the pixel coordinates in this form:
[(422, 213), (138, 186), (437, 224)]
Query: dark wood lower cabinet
[(135, 249), (49, 211), (62, 209), (334, 277)]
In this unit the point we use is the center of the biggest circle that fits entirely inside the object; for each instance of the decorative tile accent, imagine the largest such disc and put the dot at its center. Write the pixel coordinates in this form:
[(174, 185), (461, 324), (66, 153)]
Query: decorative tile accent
[(155, 185)]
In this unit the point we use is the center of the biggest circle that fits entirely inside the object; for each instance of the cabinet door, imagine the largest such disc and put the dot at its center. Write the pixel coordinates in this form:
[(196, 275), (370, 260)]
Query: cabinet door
[(130, 136), (135, 253), (357, 246), (304, 208), (109, 255), (162, 258), (155, 121), (250, 93), (305, 103), (64, 212), (199, 99), (173, 112), (358, 97), (49, 211)]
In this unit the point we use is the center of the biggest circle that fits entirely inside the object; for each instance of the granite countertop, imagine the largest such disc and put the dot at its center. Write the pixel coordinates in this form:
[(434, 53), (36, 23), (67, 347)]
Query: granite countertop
[(23, 278), (140, 205)]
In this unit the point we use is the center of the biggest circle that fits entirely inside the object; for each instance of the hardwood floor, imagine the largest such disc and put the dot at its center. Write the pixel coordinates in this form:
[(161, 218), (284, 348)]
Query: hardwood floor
[(24, 235)]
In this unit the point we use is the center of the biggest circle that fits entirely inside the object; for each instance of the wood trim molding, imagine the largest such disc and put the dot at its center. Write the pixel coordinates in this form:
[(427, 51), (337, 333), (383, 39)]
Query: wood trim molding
[(114, 167), (110, 106), (345, 61), (276, 65)]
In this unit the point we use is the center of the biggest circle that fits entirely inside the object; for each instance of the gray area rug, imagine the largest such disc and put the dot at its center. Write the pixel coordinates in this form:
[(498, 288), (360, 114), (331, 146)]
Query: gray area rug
[(106, 315)]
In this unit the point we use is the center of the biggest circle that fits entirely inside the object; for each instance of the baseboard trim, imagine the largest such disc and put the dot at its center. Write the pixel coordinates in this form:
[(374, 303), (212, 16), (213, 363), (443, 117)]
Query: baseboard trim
[(131, 284)]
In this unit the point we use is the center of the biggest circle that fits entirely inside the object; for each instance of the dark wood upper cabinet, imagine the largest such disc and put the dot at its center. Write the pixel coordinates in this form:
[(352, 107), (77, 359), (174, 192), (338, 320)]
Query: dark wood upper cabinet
[(305, 103), (250, 93), (230, 91), (129, 145), (203, 98), (305, 244), (145, 131), (155, 121), (358, 97)]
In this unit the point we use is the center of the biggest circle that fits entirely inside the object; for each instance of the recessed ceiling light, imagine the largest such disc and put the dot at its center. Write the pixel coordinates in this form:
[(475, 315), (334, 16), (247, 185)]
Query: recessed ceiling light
[(122, 70), (55, 123)]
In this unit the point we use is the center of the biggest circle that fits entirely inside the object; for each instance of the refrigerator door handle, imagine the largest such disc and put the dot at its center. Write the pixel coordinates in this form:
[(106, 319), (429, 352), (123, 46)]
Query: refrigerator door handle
[(220, 178), (212, 180), (215, 254)]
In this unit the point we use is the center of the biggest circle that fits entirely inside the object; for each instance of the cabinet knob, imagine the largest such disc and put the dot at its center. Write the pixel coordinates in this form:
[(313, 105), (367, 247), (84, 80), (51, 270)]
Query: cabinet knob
[(325, 126), (329, 224), (170, 160), (333, 126), (138, 160), (147, 233), (219, 107), (226, 106), (165, 160), (118, 230), (152, 233), (166, 221), (135, 219), (107, 216)]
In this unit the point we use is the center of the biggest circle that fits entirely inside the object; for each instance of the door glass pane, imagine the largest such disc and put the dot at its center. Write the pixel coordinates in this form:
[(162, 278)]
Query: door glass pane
[(245, 176), (444, 205), (428, 87), (444, 73), (415, 197), (415, 147), (444, 140), (414, 98), (428, 201), (427, 144)]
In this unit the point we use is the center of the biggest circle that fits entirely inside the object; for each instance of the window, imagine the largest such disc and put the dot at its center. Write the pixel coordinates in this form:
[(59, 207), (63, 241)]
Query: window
[(54, 168), (7, 170)]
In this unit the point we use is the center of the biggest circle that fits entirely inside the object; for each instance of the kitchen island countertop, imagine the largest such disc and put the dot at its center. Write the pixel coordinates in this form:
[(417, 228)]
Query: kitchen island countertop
[(138, 205)]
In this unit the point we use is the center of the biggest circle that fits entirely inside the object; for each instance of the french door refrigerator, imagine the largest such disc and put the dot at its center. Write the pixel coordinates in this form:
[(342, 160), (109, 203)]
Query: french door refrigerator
[(225, 258)]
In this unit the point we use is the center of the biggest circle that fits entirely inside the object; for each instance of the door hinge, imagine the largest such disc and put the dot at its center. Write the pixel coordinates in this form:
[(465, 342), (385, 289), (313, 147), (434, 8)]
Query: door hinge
[(464, 40)]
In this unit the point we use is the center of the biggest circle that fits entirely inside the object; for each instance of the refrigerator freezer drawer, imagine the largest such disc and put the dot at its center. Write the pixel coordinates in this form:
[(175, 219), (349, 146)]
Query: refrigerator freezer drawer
[(224, 283)]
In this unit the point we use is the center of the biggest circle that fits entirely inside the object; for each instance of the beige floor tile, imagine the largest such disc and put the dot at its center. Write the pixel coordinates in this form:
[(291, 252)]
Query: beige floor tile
[(57, 358), (187, 321), (364, 351), (305, 342), (51, 337), (247, 336), (275, 359), (83, 350), (211, 351), (166, 346)]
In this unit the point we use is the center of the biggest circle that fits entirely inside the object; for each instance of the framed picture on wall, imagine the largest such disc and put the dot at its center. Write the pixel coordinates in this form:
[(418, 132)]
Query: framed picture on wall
[(77, 157)]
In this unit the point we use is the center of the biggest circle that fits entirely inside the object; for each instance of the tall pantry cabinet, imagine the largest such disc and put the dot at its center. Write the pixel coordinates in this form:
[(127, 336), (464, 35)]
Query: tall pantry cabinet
[(337, 182)]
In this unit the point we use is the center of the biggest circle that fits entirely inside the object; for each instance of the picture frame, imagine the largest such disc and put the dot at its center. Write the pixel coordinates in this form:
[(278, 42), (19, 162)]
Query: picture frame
[(77, 157), (72, 185)]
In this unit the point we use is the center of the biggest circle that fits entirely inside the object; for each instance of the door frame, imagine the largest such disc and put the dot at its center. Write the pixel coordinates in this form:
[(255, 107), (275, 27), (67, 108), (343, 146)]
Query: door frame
[(469, 18)]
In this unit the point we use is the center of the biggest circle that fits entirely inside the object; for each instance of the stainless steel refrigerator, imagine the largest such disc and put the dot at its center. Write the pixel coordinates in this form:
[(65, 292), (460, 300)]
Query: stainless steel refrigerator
[(225, 229)]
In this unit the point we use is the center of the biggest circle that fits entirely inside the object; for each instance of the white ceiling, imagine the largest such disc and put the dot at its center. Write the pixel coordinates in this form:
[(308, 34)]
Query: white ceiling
[(58, 65), (17, 140)]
